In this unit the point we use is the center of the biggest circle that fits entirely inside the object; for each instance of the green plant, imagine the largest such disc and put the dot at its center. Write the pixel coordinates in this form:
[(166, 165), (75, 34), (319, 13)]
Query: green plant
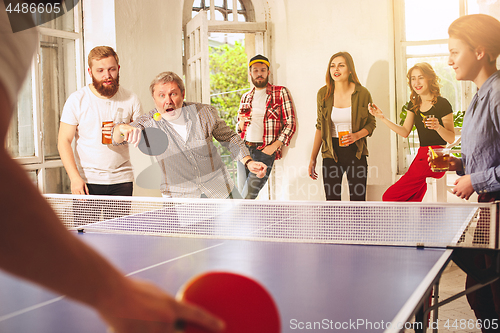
[(402, 117), (228, 80), (458, 118)]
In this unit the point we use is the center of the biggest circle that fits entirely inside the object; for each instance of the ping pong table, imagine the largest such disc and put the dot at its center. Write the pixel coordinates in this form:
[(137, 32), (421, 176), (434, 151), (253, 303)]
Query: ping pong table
[(352, 267)]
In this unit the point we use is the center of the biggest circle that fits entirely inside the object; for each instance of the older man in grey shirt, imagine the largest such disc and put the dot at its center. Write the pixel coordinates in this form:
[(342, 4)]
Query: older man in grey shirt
[(191, 165)]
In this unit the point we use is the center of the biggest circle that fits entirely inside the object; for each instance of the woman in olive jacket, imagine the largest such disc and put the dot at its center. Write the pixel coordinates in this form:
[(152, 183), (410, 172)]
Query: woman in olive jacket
[(342, 106)]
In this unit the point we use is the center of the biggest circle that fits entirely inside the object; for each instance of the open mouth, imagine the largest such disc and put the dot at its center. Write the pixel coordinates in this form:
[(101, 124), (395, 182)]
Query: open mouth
[(336, 74)]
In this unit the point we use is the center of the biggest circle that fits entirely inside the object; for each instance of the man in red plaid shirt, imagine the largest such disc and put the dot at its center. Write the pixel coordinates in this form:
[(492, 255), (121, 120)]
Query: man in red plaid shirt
[(266, 121)]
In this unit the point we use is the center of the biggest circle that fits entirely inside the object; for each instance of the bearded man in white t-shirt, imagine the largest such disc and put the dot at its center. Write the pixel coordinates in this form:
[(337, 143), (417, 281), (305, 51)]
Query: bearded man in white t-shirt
[(95, 167), (266, 121)]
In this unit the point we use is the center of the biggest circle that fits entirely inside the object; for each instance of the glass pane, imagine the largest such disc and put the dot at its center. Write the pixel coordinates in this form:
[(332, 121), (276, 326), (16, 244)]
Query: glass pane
[(220, 3), (197, 3), (230, 4), (64, 22), (488, 7), (429, 19), (240, 5), (219, 16), (420, 50), (451, 89), (57, 181), (473, 7), (227, 54), (240, 17), (33, 176), (20, 138), (58, 78)]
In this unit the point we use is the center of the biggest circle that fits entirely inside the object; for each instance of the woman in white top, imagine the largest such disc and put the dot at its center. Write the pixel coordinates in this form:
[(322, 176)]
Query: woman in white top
[(342, 107)]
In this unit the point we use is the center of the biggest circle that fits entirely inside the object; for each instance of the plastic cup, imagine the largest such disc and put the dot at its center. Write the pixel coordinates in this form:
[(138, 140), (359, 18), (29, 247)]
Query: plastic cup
[(431, 116), (341, 131), (440, 159), (105, 140)]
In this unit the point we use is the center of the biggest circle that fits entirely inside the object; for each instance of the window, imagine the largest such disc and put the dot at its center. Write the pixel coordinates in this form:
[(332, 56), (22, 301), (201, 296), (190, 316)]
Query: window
[(232, 36), (56, 72), (422, 36), (224, 10)]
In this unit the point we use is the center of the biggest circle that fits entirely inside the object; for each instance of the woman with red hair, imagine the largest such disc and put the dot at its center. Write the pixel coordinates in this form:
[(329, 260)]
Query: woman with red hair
[(474, 46), (432, 115)]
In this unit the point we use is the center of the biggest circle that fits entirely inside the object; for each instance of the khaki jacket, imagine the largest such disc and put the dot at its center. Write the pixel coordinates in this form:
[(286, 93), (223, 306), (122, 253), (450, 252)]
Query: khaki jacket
[(360, 116)]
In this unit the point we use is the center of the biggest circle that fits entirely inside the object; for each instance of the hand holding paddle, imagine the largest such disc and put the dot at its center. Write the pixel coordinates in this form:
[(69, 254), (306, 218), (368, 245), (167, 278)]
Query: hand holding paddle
[(150, 141), (125, 132), (243, 304), (143, 307)]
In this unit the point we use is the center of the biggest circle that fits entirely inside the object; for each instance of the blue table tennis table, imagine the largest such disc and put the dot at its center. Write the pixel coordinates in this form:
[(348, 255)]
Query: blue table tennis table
[(351, 267)]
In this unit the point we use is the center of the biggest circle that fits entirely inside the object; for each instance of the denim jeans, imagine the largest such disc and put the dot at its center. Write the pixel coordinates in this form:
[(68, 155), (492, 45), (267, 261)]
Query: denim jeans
[(253, 184)]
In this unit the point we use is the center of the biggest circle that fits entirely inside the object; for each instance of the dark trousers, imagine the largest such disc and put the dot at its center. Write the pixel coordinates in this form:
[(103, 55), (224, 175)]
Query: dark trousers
[(253, 184), (485, 301), (123, 189), (355, 169), (90, 210)]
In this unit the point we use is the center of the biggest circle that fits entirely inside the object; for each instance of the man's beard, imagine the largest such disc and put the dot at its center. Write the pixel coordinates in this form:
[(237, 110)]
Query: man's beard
[(106, 90), (262, 84)]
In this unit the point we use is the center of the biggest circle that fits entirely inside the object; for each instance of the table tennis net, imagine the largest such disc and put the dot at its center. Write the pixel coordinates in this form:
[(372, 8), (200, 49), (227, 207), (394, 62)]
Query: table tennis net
[(375, 223)]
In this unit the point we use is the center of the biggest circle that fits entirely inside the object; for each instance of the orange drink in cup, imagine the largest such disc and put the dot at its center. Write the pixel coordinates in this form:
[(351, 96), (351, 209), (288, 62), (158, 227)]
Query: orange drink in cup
[(342, 129), (105, 139), (439, 159)]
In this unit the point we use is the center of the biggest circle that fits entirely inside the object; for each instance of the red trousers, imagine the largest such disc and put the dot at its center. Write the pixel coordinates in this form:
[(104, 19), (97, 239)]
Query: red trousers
[(413, 185)]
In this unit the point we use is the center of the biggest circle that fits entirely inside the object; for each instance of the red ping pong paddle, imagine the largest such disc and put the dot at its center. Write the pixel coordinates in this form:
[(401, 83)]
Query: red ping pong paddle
[(243, 304)]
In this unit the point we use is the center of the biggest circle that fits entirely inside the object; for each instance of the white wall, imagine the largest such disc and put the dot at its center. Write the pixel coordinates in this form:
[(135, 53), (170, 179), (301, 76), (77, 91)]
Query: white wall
[(303, 36), (99, 27), (148, 42), (304, 39), (146, 35)]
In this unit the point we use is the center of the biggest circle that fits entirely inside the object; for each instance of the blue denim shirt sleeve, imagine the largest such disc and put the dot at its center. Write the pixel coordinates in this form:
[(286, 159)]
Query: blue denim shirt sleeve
[(461, 172), (486, 181), (481, 137)]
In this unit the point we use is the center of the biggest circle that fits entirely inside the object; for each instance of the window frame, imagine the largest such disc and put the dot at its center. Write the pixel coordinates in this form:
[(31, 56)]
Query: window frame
[(39, 162), (401, 86)]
